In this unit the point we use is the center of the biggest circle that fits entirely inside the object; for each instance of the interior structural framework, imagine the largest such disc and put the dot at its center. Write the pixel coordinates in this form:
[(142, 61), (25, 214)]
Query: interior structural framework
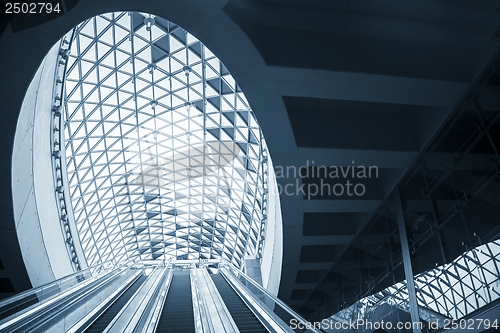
[(144, 157), (164, 156), (156, 153)]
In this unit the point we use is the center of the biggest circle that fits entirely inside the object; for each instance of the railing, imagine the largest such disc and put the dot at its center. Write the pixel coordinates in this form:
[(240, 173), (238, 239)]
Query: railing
[(154, 317), (117, 324), (37, 296), (283, 318), (274, 314), (218, 317), (202, 321), (80, 317), (139, 312), (41, 316)]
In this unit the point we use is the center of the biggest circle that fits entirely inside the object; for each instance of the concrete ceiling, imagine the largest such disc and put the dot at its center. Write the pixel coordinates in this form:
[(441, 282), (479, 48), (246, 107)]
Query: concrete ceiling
[(410, 87)]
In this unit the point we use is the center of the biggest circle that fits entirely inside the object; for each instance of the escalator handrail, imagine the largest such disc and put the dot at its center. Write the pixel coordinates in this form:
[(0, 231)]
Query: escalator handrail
[(220, 318), (93, 315), (125, 306), (159, 303), (66, 297), (148, 313), (39, 289), (146, 301), (202, 322), (71, 304), (266, 317), (268, 294)]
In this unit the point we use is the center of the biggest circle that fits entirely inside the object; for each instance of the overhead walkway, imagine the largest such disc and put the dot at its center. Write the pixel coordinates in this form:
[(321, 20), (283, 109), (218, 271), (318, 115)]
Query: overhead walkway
[(165, 297)]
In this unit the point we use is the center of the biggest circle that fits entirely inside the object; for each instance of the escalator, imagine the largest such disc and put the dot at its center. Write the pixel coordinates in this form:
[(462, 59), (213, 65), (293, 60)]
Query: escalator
[(18, 306), (177, 314), (244, 318), (104, 319)]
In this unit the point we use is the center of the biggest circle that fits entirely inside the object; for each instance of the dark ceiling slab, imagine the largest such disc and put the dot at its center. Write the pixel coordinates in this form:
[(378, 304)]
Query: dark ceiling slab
[(385, 38), (310, 276), (319, 253), (320, 224), (342, 124), (300, 294), (338, 104)]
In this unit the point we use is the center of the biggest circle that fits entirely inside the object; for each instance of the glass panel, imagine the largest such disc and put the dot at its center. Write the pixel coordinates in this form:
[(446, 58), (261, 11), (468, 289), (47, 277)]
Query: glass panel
[(22, 302), (163, 152)]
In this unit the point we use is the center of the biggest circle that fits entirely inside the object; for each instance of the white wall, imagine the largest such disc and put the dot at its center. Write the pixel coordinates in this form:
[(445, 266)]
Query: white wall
[(35, 209)]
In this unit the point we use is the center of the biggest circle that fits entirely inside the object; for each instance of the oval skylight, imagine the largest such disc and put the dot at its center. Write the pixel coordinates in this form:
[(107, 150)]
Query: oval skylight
[(165, 158)]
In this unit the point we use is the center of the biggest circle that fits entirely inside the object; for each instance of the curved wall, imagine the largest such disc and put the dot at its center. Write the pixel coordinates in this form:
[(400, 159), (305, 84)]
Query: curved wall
[(35, 209)]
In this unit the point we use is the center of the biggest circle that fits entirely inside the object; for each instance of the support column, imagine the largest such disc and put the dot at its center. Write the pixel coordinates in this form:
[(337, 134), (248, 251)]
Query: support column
[(437, 220), (410, 283), (441, 238)]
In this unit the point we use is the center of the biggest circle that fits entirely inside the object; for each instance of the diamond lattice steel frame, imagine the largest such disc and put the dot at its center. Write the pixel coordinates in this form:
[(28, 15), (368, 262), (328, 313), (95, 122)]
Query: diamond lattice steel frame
[(165, 158), (454, 290)]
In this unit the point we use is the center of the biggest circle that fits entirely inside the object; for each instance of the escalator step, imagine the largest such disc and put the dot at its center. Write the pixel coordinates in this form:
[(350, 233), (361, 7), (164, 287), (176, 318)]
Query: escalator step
[(243, 317), (103, 321), (177, 314)]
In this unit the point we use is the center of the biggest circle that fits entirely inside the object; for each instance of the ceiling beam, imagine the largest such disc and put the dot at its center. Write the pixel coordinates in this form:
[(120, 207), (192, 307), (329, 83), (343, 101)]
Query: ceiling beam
[(338, 206), (361, 157), (365, 87), (327, 240)]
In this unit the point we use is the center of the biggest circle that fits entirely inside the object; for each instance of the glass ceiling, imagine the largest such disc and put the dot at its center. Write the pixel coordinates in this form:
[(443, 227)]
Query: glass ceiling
[(164, 155), (453, 290)]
